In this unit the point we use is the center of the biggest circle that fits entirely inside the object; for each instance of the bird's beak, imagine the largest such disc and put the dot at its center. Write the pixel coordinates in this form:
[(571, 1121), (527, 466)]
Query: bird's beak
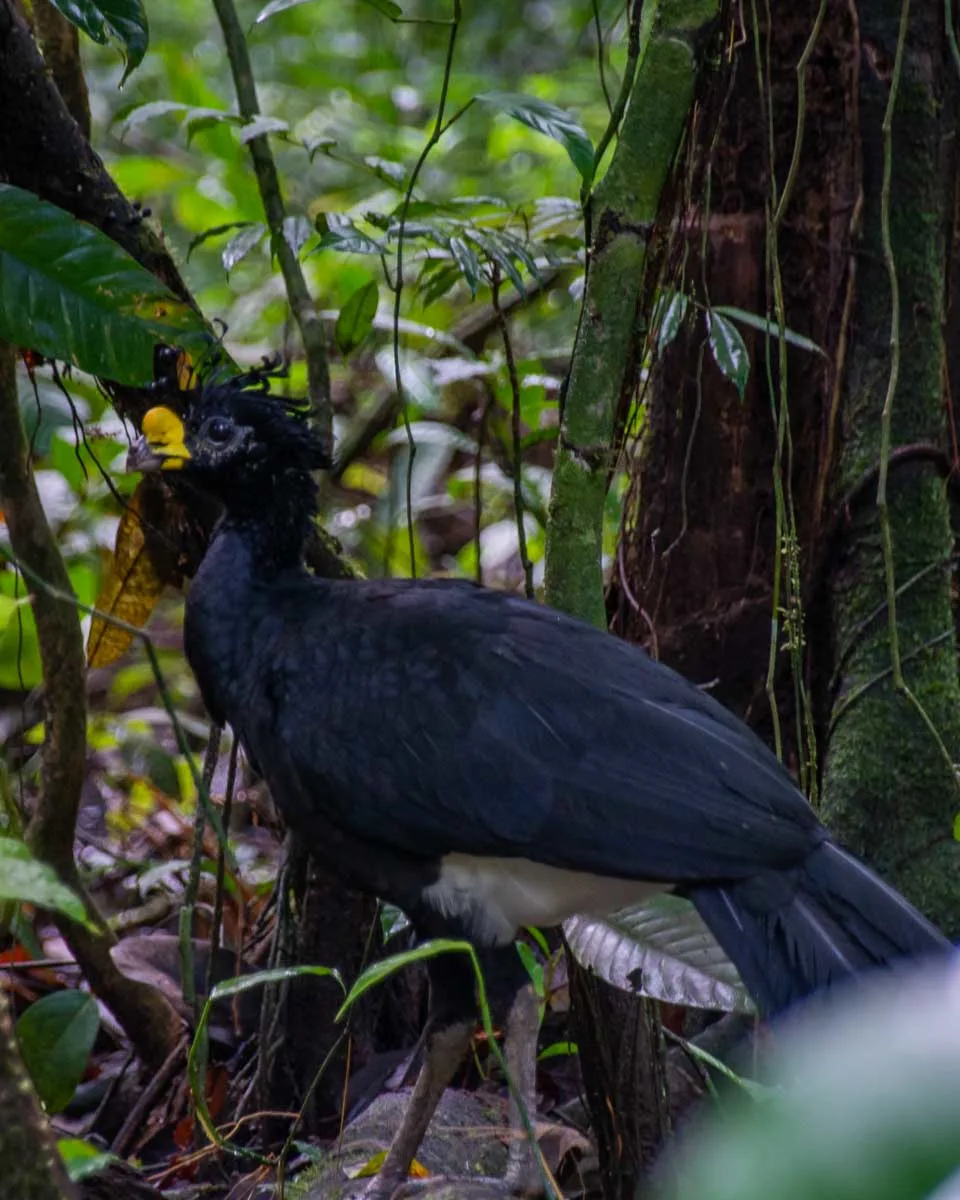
[(162, 446)]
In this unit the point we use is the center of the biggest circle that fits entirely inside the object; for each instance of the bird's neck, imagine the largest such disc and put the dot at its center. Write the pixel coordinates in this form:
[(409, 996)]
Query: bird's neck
[(273, 521)]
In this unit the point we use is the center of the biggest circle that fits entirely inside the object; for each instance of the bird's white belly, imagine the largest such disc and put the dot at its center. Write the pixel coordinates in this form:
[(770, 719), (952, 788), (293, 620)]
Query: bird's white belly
[(495, 896)]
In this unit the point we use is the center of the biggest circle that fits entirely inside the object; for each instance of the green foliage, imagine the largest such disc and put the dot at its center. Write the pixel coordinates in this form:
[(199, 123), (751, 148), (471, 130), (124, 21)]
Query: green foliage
[(71, 293), (26, 880), (56, 1035), (121, 21), (82, 1159)]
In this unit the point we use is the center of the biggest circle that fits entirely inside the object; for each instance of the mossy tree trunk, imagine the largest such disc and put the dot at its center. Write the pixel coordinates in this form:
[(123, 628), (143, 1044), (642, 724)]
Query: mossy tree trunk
[(890, 792), (619, 1035), (701, 549)]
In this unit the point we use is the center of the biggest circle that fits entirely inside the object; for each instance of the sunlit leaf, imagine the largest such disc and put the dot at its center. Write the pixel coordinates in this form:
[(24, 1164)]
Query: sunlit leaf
[(71, 293), (239, 246), (548, 119), (56, 1035), (373, 1164), (755, 321), (356, 317), (82, 1159), (260, 126), (728, 350), (130, 591), (214, 232), (670, 314), (466, 259), (296, 230), (25, 879), (122, 21), (662, 949)]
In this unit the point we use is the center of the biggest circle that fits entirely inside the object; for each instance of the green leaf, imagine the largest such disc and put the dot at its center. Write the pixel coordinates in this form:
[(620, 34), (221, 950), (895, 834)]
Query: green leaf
[(71, 293), (197, 1058), (374, 975), (25, 879), (344, 237), (728, 350), (122, 21), (547, 118), (277, 6), (147, 112), (56, 1035), (660, 948), (865, 1104), (356, 317), (83, 1159), (671, 310), (215, 231), (755, 321), (466, 259), (260, 126), (241, 244), (387, 7)]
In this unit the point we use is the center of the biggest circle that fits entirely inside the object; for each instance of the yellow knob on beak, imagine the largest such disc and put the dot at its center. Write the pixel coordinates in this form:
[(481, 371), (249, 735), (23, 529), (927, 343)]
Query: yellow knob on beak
[(162, 447)]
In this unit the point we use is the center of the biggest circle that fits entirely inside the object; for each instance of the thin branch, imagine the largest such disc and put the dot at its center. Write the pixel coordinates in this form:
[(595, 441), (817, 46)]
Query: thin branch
[(601, 65), (517, 449), (147, 1018), (626, 87), (432, 140), (268, 183)]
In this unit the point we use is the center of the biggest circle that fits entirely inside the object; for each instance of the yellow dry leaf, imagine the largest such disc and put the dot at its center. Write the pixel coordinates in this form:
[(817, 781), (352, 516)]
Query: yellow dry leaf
[(129, 593), (375, 1162)]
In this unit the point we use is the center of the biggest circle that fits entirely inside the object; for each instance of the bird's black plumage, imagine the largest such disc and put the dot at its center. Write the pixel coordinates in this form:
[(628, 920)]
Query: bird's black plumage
[(483, 761)]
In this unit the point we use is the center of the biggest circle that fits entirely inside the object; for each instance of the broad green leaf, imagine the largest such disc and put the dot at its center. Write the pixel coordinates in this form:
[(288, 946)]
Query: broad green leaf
[(83, 1159), (296, 230), (216, 231), (728, 350), (866, 1107), (241, 244), (548, 119), (260, 126), (69, 292), (671, 310), (356, 317), (56, 1035), (147, 112), (122, 21), (197, 1058), (387, 7), (374, 975), (755, 321), (277, 6), (346, 239), (466, 259), (662, 949), (25, 879)]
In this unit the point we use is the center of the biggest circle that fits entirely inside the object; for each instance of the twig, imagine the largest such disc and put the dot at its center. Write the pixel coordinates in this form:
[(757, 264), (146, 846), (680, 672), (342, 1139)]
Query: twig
[(626, 87), (600, 63), (145, 1101), (268, 183), (188, 982), (438, 131), (515, 426)]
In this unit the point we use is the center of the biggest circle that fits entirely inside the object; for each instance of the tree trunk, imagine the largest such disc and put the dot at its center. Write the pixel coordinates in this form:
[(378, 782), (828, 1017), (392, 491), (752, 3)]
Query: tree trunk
[(890, 787), (32, 1167)]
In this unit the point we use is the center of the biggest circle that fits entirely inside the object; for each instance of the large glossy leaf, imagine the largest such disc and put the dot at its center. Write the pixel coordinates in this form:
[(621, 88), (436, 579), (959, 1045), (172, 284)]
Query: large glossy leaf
[(356, 317), (867, 1106), (661, 949), (548, 119), (69, 292), (122, 21), (728, 349), (24, 878), (56, 1035)]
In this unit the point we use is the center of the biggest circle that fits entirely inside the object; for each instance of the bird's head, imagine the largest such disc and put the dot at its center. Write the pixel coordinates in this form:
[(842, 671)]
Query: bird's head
[(229, 438)]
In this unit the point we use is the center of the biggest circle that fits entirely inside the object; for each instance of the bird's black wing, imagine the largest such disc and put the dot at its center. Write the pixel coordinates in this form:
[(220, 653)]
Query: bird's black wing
[(442, 718)]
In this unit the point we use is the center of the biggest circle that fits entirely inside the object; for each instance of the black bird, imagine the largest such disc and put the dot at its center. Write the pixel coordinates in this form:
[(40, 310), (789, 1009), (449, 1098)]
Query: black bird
[(487, 763)]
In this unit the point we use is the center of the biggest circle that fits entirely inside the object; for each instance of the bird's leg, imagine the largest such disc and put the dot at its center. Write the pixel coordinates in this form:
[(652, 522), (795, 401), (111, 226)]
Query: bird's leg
[(445, 1050), (522, 1176)]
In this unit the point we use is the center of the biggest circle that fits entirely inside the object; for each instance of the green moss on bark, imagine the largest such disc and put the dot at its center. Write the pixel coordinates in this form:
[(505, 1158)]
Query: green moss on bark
[(888, 793)]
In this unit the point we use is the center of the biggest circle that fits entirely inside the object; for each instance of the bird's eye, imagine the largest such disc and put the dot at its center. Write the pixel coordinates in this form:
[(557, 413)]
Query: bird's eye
[(219, 431)]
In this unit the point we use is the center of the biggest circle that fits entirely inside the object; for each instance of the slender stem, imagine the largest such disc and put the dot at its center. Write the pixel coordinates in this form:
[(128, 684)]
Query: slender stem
[(626, 87), (515, 423), (600, 62), (268, 183), (432, 140)]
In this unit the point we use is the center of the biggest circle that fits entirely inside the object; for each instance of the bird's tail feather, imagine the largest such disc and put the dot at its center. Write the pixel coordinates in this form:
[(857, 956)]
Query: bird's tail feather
[(793, 934)]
